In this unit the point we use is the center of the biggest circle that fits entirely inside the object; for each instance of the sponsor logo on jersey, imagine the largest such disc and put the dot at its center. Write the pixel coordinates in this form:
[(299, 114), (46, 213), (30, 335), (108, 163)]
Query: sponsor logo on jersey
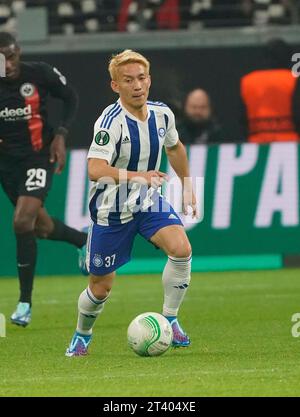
[(97, 260), (27, 90), (126, 140), (15, 113), (102, 138), (161, 132)]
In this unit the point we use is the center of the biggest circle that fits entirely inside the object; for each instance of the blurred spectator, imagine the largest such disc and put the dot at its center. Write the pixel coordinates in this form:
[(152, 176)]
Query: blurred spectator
[(149, 15), (223, 13), (271, 98), (91, 16), (198, 124)]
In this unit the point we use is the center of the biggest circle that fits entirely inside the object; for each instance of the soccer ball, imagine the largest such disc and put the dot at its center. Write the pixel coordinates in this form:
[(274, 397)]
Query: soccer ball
[(149, 334)]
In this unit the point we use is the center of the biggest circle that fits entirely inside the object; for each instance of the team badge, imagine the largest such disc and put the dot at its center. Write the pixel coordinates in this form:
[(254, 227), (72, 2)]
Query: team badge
[(162, 132), (97, 260), (102, 138), (27, 90)]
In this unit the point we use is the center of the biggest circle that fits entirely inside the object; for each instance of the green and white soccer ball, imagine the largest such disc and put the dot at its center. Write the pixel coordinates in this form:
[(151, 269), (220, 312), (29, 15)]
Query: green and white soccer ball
[(149, 334)]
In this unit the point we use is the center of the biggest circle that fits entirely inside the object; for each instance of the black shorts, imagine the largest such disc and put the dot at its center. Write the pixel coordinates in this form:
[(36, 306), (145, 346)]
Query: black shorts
[(30, 176)]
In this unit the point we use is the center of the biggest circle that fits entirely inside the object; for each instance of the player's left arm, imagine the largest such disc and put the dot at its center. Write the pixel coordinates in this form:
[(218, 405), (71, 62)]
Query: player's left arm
[(178, 159), (58, 87)]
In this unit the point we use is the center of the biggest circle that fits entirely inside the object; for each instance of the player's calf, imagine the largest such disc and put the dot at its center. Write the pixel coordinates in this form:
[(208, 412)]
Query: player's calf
[(89, 308), (176, 280)]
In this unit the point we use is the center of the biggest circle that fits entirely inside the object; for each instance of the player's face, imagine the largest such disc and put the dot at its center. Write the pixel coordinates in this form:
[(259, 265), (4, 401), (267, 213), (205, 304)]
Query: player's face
[(12, 61), (132, 85)]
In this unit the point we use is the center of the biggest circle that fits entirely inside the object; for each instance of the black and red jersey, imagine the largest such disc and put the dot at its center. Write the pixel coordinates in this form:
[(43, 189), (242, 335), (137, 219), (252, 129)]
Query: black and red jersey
[(24, 125)]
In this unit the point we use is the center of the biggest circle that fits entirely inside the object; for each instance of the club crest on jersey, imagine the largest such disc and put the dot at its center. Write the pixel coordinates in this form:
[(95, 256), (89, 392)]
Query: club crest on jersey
[(102, 138), (161, 132), (27, 90), (97, 260)]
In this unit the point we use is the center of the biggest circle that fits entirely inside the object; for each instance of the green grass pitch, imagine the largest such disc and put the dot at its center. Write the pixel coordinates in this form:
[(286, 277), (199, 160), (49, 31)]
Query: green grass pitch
[(239, 323)]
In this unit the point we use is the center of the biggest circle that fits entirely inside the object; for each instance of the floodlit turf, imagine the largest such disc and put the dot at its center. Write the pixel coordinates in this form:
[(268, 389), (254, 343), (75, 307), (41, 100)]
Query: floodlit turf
[(239, 322)]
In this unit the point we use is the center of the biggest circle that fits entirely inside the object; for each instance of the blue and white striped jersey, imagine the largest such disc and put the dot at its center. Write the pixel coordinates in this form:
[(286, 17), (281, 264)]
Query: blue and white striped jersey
[(127, 143)]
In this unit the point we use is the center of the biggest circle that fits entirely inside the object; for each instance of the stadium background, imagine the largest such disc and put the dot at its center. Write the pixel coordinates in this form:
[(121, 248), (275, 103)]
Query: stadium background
[(241, 322), (213, 58)]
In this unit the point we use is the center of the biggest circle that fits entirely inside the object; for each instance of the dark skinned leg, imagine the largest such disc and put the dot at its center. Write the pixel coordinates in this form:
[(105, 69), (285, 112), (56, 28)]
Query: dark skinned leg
[(26, 213), (47, 227)]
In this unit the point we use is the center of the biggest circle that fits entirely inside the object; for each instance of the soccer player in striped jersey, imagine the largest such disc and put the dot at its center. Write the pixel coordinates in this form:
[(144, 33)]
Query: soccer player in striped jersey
[(29, 149), (123, 164)]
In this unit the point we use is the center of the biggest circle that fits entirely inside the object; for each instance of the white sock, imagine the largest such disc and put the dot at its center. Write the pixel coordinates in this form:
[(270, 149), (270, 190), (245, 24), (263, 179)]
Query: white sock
[(89, 308), (176, 278)]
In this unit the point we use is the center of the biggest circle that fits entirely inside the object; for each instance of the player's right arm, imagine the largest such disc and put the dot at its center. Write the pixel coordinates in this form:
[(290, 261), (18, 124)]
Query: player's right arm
[(100, 170)]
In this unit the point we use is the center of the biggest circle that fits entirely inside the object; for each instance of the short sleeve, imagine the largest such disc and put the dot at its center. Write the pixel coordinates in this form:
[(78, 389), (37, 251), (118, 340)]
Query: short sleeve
[(172, 137), (103, 145)]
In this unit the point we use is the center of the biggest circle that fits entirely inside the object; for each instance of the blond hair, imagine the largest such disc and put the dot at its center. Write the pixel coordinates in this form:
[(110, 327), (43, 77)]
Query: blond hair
[(126, 57)]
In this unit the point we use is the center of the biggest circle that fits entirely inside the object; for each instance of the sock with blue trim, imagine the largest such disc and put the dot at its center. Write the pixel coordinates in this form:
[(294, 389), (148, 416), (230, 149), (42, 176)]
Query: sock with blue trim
[(89, 308), (176, 278)]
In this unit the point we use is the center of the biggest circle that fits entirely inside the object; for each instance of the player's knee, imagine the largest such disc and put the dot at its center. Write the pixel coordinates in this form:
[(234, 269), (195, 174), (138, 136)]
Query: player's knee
[(23, 223), (100, 290), (180, 250)]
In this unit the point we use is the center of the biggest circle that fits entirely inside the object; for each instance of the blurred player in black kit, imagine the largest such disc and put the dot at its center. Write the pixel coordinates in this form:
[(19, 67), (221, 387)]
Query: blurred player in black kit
[(30, 152)]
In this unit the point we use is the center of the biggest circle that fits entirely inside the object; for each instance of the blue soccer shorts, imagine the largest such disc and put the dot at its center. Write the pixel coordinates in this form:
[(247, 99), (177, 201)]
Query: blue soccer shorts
[(109, 247)]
